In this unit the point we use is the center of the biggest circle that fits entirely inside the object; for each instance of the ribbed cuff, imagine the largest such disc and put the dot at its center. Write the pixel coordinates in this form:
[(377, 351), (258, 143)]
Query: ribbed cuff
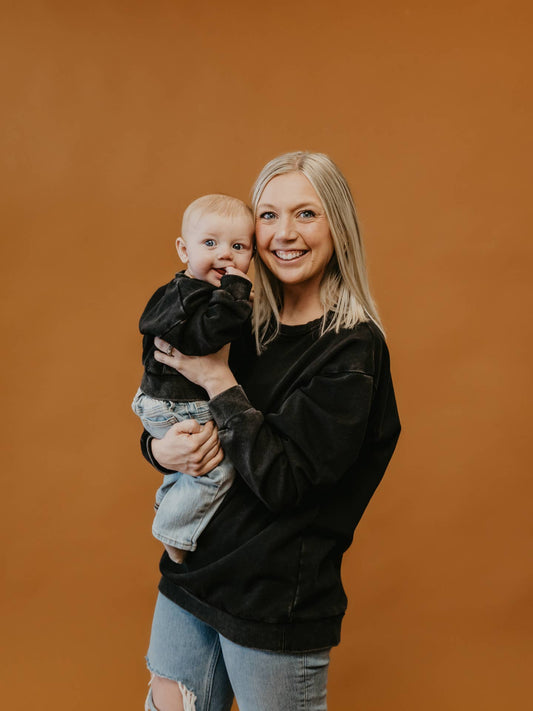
[(237, 286), (227, 404)]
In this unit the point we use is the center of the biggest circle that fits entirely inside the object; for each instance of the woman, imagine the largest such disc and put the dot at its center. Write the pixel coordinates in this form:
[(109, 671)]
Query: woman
[(310, 423)]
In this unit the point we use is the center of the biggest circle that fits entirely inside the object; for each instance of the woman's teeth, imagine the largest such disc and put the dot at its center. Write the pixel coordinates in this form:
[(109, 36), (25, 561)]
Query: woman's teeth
[(287, 256)]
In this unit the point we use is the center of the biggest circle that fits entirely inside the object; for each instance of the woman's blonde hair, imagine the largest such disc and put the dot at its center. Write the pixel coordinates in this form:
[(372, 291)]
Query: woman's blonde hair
[(344, 291)]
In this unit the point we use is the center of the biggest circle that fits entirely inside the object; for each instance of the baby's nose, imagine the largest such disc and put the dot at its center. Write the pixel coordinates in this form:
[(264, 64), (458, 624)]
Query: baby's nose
[(224, 252)]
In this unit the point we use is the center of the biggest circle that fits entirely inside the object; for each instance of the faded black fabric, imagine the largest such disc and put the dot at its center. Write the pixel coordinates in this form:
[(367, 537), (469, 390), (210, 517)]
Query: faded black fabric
[(310, 433), (196, 318)]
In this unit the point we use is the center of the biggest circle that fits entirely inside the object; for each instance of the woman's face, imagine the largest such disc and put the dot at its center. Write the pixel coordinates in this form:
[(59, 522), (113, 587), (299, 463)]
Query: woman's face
[(292, 231)]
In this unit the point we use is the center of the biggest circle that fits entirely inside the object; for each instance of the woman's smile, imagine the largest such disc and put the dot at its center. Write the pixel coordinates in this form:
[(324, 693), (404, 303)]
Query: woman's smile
[(289, 256)]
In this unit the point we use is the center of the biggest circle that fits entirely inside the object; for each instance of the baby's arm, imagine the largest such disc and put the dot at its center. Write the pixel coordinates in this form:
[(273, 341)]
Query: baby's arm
[(210, 323), (237, 272)]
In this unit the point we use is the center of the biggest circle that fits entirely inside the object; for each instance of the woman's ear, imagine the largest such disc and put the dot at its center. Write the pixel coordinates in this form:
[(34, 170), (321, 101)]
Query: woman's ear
[(181, 248)]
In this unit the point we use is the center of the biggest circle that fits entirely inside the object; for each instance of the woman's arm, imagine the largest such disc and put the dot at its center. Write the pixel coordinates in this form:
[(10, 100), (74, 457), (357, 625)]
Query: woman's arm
[(305, 447), (211, 371), (317, 434)]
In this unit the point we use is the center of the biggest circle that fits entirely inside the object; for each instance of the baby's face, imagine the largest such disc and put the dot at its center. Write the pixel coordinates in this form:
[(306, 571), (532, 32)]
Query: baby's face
[(214, 243)]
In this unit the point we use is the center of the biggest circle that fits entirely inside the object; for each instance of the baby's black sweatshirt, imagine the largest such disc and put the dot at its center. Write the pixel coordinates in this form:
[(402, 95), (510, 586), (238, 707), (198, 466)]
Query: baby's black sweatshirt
[(196, 318)]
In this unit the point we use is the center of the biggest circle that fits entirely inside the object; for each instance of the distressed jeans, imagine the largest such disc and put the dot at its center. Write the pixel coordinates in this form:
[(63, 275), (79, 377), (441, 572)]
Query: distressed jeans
[(210, 669)]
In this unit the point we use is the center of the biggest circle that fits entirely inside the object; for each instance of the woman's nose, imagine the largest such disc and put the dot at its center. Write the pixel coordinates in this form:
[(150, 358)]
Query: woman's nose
[(285, 228)]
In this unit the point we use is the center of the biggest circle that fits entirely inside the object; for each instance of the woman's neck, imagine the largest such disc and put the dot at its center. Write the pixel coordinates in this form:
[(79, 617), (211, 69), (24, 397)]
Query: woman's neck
[(300, 306)]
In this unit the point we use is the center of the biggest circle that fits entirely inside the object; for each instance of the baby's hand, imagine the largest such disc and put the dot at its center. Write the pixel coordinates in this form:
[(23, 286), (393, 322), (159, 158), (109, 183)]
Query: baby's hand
[(237, 272)]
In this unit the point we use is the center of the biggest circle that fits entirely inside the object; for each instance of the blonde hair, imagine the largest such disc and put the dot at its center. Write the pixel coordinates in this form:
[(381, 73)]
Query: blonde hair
[(344, 291), (215, 204)]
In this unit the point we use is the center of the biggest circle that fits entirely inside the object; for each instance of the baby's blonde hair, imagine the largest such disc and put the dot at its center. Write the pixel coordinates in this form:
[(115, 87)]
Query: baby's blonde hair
[(215, 204), (344, 291)]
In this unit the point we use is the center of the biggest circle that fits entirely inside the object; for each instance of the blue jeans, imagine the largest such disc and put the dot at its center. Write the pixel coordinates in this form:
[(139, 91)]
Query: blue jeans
[(212, 669), (184, 504)]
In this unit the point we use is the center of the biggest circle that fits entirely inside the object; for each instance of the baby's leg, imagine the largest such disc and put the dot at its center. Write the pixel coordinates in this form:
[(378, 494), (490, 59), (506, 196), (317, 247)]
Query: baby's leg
[(188, 506), (157, 417), (176, 555)]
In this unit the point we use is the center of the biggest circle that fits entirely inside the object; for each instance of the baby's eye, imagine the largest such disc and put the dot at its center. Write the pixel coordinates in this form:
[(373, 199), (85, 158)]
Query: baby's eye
[(209, 242), (238, 246), (307, 214), (267, 215)]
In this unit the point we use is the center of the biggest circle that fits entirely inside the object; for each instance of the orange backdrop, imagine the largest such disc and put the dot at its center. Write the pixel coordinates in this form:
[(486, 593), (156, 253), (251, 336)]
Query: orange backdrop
[(117, 114)]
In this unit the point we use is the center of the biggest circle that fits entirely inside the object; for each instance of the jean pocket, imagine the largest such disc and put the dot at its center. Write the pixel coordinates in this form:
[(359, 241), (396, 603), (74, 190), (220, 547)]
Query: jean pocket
[(156, 415), (158, 426), (151, 409)]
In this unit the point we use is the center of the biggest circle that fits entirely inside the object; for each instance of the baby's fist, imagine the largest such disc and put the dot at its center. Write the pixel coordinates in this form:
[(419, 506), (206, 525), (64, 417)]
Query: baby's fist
[(237, 272)]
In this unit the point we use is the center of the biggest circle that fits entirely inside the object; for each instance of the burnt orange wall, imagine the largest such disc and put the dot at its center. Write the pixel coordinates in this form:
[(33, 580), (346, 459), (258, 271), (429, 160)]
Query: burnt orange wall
[(115, 115)]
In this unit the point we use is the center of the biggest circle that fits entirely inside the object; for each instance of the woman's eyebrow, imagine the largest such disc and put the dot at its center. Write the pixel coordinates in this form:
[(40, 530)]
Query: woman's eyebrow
[(307, 203)]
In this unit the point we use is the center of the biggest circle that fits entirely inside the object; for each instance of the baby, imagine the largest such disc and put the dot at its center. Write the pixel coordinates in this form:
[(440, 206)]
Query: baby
[(198, 312)]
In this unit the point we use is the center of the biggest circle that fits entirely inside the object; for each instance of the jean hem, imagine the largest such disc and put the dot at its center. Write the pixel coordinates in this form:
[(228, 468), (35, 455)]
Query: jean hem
[(185, 546)]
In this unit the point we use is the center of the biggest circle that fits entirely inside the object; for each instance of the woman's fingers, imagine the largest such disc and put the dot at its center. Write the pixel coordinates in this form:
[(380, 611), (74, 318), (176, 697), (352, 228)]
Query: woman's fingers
[(209, 463), (189, 447), (164, 353), (206, 453), (211, 371), (187, 427), (161, 344), (212, 454), (206, 432)]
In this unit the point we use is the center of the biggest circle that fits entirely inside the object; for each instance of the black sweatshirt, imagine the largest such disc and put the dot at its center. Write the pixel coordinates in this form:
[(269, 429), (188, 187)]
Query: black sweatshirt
[(310, 439), (196, 318)]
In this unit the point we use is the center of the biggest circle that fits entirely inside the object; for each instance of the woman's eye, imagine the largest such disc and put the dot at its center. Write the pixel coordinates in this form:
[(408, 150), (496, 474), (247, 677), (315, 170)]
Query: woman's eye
[(267, 215), (307, 214), (209, 242)]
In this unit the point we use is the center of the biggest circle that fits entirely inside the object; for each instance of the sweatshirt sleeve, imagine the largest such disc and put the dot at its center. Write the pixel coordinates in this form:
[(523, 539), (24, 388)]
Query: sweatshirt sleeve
[(344, 415), (196, 318), (314, 438)]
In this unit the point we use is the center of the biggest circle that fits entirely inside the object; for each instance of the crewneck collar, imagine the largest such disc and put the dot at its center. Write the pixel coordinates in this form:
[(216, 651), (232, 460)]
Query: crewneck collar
[(300, 328)]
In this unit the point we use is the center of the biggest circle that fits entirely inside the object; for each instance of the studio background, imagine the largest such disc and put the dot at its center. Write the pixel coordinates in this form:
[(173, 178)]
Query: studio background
[(115, 116)]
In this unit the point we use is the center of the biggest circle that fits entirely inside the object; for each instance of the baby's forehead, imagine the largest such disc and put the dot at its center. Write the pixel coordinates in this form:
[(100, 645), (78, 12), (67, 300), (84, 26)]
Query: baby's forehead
[(216, 223)]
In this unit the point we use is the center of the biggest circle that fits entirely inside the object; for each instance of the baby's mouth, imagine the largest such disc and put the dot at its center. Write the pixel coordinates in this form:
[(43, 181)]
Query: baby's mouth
[(288, 255)]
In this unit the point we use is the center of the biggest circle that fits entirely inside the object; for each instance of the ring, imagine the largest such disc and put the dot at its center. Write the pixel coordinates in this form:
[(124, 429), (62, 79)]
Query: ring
[(169, 351)]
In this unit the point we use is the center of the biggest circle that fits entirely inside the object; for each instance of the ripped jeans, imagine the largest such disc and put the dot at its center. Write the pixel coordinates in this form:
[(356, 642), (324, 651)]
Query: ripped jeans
[(211, 670)]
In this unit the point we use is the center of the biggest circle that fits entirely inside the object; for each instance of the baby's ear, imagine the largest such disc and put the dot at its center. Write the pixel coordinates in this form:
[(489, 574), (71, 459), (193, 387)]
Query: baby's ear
[(181, 248)]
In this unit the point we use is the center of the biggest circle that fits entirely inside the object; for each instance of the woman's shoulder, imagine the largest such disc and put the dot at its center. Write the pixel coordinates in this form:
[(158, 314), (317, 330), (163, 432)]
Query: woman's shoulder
[(359, 349), (365, 332)]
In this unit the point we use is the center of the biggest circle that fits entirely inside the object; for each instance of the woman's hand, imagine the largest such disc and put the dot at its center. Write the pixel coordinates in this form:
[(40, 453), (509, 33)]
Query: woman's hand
[(211, 371), (189, 447)]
